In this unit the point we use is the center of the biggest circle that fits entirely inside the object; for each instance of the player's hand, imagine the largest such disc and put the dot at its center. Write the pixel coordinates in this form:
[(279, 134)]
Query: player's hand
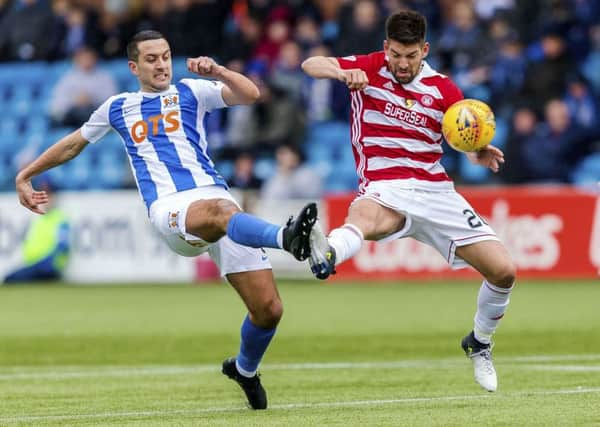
[(29, 197), (355, 79), (205, 67), (489, 157)]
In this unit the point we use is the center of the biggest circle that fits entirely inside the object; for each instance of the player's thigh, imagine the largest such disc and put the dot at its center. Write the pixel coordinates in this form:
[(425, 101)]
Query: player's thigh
[(258, 291), (492, 260), (208, 218), (373, 219)]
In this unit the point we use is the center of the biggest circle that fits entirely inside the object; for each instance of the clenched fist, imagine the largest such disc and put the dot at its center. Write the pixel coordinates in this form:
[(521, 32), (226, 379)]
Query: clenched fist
[(355, 78), (204, 67)]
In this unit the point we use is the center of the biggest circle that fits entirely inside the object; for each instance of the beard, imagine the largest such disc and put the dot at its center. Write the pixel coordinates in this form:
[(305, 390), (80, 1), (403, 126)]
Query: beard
[(405, 79)]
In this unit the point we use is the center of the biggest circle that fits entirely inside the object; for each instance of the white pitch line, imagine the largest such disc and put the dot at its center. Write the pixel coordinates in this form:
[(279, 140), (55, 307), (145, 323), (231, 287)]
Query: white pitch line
[(302, 405), (565, 368), (22, 373)]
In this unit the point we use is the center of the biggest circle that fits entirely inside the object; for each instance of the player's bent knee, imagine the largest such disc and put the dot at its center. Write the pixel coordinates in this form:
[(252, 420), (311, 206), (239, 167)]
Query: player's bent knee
[(270, 313), (226, 209), (504, 276)]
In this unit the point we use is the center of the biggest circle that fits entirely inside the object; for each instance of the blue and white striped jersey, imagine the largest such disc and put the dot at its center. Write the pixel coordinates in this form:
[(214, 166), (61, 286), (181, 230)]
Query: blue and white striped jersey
[(163, 134)]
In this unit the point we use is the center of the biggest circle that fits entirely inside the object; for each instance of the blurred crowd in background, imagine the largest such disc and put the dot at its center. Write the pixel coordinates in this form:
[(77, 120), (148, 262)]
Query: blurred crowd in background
[(536, 62)]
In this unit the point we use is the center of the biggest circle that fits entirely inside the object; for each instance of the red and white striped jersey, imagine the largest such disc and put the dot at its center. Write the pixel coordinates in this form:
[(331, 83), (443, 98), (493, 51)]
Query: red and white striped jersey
[(396, 129)]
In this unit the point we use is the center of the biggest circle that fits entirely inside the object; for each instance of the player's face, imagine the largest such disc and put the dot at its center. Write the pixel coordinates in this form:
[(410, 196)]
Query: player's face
[(153, 67), (404, 60)]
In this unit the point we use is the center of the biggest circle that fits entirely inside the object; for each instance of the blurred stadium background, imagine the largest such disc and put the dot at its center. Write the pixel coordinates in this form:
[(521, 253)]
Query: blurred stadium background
[(536, 62)]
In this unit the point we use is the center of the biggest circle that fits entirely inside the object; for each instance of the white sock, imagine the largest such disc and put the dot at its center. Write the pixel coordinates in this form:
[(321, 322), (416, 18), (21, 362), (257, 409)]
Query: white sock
[(491, 305), (346, 241), (280, 237)]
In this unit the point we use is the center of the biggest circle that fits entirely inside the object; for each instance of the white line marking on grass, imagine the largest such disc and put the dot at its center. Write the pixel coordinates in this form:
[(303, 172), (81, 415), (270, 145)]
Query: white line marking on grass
[(552, 358), (565, 368), (200, 369), (67, 372), (302, 405)]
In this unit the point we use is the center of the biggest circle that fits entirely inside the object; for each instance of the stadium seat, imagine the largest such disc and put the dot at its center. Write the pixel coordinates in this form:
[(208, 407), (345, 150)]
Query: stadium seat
[(587, 172), (225, 168), (7, 173), (327, 144), (77, 174), (501, 135), (180, 69), (264, 167), (470, 173), (590, 70)]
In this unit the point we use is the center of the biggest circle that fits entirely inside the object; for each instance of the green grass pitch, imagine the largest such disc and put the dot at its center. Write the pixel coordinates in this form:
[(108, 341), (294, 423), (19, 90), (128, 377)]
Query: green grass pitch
[(344, 355)]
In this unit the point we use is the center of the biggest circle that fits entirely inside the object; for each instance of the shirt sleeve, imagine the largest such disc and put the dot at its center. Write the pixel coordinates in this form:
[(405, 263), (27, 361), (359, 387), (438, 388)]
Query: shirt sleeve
[(364, 62), (451, 93), (98, 124), (209, 93)]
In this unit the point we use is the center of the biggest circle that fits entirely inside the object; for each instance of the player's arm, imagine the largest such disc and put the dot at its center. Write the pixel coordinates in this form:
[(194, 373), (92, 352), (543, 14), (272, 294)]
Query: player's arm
[(63, 151), (238, 89), (322, 67)]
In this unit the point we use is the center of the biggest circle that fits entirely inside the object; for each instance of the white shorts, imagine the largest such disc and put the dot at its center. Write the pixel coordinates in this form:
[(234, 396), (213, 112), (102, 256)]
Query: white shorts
[(442, 219), (168, 214)]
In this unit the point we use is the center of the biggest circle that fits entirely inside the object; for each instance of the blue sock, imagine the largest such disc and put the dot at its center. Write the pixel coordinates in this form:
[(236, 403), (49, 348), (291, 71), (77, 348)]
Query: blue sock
[(255, 341), (249, 230)]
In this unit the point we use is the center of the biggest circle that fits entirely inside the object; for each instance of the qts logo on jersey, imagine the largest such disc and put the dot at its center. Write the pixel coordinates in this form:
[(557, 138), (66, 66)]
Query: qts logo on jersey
[(142, 128)]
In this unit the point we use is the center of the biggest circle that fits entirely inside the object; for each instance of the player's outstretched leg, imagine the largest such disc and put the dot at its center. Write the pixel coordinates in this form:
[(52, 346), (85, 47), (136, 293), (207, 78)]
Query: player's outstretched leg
[(249, 230), (255, 393), (481, 356)]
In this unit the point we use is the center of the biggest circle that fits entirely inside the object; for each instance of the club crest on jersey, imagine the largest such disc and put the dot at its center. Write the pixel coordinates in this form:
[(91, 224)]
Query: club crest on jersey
[(427, 100), (170, 100), (408, 103), (174, 220)]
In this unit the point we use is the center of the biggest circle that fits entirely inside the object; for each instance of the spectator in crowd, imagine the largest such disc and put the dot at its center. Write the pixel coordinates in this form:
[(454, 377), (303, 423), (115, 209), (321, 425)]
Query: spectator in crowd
[(561, 142), (325, 99), (582, 106), (360, 28), (463, 44), (287, 74), (545, 78), (239, 45), (523, 129), (75, 32), (274, 120), (244, 177), (307, 33), (46, 246), (277, 32), (79, 92), (507, 71), (28, 31), (591, 65), (292, 178)]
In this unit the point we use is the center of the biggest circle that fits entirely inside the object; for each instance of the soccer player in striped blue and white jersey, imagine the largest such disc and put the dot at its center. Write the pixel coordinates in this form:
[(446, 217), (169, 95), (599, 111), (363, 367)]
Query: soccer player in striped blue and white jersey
[(187, 200)]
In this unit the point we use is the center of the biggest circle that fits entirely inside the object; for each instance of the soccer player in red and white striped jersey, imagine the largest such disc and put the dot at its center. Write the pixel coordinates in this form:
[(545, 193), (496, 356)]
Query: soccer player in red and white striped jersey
[(398, 102)]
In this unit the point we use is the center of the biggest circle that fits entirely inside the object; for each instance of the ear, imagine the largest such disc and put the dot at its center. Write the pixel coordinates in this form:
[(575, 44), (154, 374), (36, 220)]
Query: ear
[(133, 67), (386, 45), (425, 49)]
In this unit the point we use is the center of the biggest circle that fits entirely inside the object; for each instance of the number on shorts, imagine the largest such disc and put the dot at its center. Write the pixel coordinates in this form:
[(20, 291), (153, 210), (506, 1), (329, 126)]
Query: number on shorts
[(473, 218)]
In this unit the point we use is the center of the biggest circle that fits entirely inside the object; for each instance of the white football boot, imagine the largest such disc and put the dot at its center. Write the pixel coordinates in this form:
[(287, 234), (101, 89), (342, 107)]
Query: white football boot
[(483, 367), (322, 255)]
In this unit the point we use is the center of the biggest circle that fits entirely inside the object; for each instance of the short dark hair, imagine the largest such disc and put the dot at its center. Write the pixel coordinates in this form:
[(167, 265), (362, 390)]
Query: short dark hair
[(406, 27), (132, 47)]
